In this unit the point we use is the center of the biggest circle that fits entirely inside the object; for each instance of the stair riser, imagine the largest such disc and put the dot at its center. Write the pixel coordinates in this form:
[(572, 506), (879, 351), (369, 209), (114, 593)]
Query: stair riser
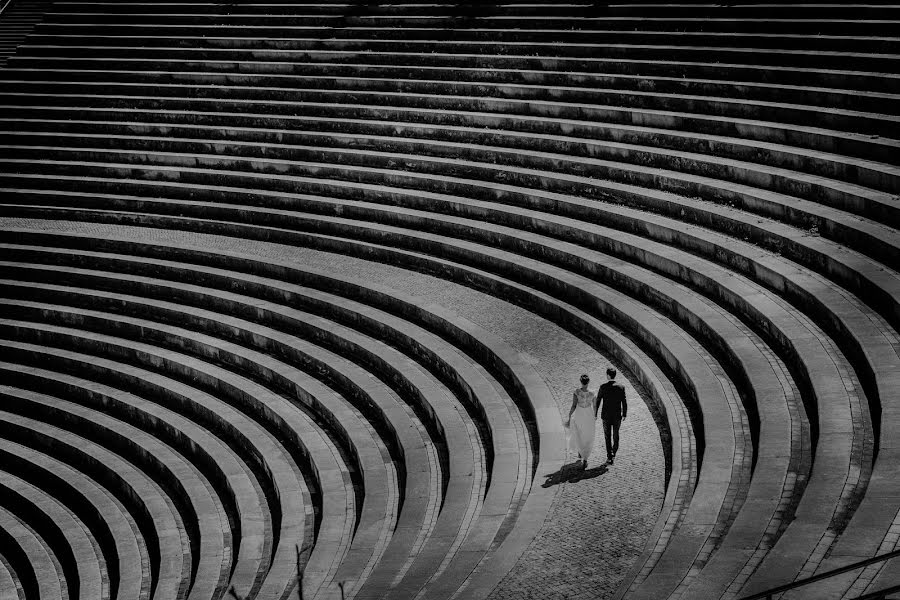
[(432, 175), (509, 100), (420, 52), (613, 125), (344, 38), (591, 89), (425, 66), (570, 25)]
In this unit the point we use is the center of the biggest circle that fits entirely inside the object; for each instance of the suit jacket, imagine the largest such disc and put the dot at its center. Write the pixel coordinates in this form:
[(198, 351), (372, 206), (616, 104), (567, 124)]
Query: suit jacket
[(611, 401)]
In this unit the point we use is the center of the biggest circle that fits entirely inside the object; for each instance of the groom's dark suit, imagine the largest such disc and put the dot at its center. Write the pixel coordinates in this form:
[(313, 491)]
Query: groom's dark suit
[(613, 408)]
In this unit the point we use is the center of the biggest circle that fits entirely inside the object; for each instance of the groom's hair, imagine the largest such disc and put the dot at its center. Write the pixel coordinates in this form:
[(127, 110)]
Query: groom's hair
[(611, 373)]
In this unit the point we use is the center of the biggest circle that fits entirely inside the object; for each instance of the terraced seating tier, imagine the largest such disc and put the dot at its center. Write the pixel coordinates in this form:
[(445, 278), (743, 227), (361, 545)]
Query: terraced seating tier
[(707, 194)]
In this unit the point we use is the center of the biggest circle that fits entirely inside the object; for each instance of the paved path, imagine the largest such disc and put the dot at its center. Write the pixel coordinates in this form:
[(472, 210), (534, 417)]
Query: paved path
[(600, 520)]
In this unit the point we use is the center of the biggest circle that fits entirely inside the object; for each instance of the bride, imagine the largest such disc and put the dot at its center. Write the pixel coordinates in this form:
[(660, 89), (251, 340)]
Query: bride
[(580, 424)]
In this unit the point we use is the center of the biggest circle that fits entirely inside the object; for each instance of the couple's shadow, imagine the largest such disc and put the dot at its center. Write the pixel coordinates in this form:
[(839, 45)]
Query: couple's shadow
[(573, 473)]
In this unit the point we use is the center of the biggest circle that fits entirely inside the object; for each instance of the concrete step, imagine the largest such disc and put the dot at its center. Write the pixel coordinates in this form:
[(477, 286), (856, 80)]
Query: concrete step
[(786, 10), (739, 99), (10, 587), (315, 167), (66, 536), (835, 75), (433, 96), (504, 459), (155, 513), (480, 17), (239, 496), (316, 575), (464, 53), (719, 437), (668, 130), (420, 495), (625, 162), (189, 492), (823, 394), (357, 36), (496, 484), (250, 440), (578, 86), (296, 512), (17, 22), (28, 556), (108, 521)]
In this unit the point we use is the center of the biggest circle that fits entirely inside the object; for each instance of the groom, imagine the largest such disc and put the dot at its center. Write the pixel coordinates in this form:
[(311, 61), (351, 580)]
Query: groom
[(612, 396)]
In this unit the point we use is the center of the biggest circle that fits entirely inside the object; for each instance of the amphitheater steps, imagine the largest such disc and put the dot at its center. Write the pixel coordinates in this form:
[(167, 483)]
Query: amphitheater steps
[(733, 224), (413, 497), (859, 232), (482, 129), (456, 486), (71, 542), (207, 537), (504, 462), (10, 588), (34, 564), (115, 530), (495, 82), (147, 383), (17, 20), (159, 518), (239, 498), (291, 529), (426, 94), (713, 437)]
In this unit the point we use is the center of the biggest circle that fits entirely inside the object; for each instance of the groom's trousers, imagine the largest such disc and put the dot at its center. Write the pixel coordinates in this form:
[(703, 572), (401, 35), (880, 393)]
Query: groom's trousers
[(611, 433)]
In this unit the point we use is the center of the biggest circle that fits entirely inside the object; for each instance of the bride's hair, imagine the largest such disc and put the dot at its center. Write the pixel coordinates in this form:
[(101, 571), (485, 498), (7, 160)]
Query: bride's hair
[(585, 378)]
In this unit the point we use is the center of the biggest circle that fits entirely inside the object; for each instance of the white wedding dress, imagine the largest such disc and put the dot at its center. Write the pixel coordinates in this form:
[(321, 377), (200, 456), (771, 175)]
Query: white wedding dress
[(582, 424)]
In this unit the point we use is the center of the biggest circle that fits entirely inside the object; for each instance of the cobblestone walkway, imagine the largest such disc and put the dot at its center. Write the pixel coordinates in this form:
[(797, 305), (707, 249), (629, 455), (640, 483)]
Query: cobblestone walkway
[(600, 520)]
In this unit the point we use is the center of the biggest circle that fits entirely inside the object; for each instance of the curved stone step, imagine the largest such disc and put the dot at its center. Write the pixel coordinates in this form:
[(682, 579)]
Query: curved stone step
[(851, 59), (670, 129), (584, 87), (318, 571), (489, 182), (75, 548), (758, 378), (10, 588), (244, 435), (208, 537), (492, 36), (486, 16), (826, 388), (785, 10), (295, 511), (110, 524), (154, 512), (505, 459), (713, 437), (784, 161), (239, 496), (714, 178), (543, 451), (288, 61), (34, 565), (433, 94)]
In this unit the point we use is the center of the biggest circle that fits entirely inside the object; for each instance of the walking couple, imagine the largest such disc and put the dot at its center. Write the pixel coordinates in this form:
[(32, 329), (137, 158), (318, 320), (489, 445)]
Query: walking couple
[(609, 402)]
